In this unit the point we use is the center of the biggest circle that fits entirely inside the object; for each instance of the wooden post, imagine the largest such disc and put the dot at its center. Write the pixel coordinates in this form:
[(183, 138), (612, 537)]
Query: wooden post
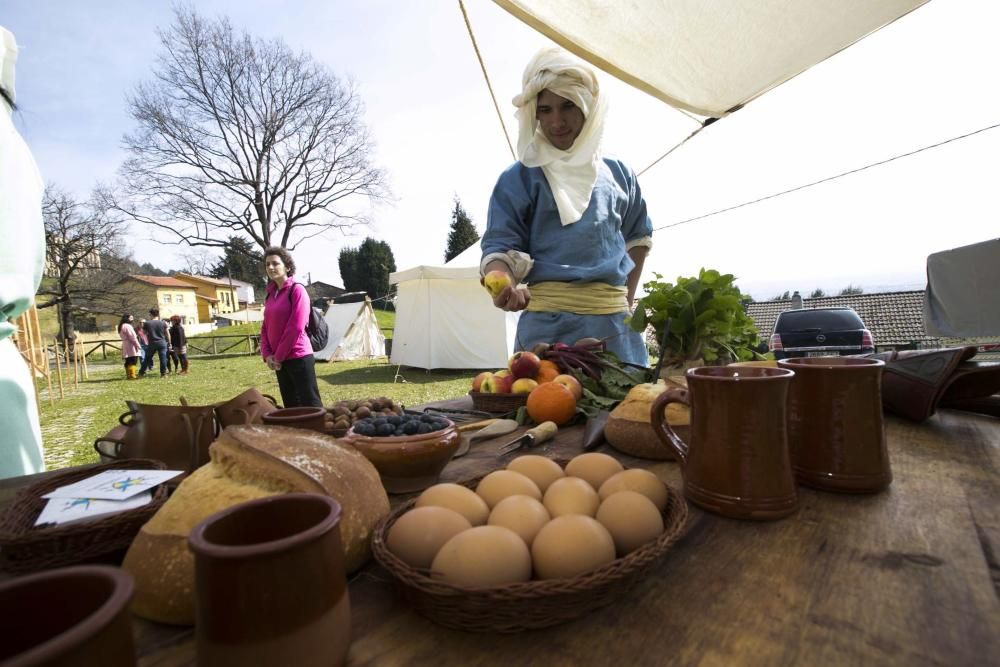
[(86, 371), (62, 393), (42, 363), (215, 349), (66, 358)]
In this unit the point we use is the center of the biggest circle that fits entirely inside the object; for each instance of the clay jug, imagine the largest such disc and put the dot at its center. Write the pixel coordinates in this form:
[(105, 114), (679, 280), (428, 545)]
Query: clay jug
[(68, 617), (246, 408), (836, 435), (737, 462), (178, 435), (270, 584)]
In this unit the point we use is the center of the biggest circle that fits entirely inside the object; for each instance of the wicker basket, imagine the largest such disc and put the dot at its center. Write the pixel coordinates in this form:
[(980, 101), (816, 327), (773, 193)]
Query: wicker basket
[(532, 604), (497, 403), (23, 548)]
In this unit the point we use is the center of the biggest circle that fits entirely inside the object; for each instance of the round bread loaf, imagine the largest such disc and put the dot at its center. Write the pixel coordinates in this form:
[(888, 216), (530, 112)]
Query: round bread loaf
[(629, 430), (248, 462)]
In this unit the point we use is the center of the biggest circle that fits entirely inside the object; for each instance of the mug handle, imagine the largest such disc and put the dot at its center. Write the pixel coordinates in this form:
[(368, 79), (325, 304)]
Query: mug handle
[(657, 418)]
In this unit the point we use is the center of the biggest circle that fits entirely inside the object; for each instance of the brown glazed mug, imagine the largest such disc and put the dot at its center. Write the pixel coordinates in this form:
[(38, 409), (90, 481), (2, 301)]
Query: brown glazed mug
[(836, 436), (270, 584), (737, 463), (69, 617), (311, 419)]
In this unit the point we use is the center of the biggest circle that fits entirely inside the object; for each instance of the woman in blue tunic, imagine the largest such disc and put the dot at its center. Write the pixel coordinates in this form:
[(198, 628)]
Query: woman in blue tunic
[(565, 220)]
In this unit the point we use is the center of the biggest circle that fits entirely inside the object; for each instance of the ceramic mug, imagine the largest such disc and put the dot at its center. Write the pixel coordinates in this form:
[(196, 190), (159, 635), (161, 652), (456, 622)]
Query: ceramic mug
[(836, 435), (270, 584), (736, 463), (68, 617)]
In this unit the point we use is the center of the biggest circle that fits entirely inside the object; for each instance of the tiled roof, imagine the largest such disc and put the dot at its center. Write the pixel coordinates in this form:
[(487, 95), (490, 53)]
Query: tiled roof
[(163, 281), (894, 318), (205, 279)]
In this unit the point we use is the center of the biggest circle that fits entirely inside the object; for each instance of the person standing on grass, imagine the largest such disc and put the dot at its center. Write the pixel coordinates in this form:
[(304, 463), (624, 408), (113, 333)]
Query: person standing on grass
[(130, 346), (178, 344), (156, 332), (145, 363), (284, 344)]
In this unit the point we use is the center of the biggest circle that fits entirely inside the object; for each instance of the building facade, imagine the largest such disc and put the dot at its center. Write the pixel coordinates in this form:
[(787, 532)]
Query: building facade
[(215, 296)]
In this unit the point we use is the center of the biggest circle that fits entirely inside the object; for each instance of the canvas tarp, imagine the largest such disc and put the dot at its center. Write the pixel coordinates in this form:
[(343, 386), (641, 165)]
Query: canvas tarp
[(706, 56), (445, 319), (354, 333), (963, 291)]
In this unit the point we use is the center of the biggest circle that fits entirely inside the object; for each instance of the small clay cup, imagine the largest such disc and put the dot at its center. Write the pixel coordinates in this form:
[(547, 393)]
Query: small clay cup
[(408, 463), (311, 419), (270, 584), (737, 462), (69, 617), (836, 435)]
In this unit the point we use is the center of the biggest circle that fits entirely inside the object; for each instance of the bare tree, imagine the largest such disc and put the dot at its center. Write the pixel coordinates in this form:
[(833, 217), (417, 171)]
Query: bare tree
[(80, 240), (199, 261), (240, 136)]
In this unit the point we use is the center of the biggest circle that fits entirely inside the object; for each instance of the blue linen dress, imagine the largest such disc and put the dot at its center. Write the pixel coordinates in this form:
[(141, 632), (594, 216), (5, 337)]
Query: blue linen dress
[(523, 216)]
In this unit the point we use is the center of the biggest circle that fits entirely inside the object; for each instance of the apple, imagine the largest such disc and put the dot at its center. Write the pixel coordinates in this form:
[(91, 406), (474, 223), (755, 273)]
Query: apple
[(495, 282), (502, 373), (497, 384), (524, 364), (570, 383), (477, 382), (523, 386)]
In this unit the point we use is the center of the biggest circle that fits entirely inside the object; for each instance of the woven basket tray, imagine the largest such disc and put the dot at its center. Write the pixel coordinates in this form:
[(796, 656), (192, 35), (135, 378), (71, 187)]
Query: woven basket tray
[(24, 548), (500, 403), (532, 604)]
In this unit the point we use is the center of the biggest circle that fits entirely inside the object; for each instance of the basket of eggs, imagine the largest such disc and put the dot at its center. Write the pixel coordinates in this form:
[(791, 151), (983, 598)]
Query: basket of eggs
[(536, 544)]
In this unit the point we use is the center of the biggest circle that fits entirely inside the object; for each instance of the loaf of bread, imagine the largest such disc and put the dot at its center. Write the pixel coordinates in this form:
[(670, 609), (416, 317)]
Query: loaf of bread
[(248, 462), (629, 430)]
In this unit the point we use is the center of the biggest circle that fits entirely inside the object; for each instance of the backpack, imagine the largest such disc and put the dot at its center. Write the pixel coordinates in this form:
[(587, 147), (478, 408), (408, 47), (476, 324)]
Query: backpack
[(316, 328)]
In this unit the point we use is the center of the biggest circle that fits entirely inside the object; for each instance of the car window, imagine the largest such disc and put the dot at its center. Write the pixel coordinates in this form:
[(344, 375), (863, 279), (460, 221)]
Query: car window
[(825, 320)]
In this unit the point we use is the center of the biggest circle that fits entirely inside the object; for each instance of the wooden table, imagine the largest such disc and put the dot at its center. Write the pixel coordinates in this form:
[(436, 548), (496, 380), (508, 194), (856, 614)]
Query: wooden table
[(909, 576)]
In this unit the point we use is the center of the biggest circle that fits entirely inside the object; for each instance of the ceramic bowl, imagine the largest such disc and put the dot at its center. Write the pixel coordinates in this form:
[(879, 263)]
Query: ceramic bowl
[(408, 463), (311, 419)]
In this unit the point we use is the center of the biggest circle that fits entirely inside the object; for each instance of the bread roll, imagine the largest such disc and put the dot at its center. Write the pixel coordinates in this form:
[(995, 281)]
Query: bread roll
[(629, 430), (248, 462)]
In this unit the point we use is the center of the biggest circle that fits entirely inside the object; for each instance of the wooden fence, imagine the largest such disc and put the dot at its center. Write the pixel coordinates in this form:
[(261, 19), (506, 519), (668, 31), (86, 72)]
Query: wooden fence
[(200, 346)]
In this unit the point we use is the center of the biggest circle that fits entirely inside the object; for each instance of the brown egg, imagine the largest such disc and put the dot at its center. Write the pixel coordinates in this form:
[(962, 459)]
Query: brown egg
[(500, 484), (418, 535), (539, 469), (593, 467), (522, 514), (571, 495), (459, 498), (570, 545), (639, 480), (483, 556), (631, 518)]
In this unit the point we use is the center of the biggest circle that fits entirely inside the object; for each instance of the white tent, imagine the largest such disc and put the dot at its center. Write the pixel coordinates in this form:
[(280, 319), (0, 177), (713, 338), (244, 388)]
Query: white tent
[(445, 319), (354, 333)]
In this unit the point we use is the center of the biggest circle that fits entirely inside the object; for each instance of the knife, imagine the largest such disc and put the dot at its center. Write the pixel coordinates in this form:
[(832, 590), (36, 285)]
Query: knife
[(593, 431), (498, 427), (531, 438)]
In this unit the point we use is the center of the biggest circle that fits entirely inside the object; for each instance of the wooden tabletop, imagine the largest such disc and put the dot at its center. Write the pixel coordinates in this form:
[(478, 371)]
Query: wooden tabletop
[(909, 576)]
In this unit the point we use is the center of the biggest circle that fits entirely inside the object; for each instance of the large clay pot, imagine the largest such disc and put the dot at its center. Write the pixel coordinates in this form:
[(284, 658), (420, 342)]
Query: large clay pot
[(246, 408), (178, 435)]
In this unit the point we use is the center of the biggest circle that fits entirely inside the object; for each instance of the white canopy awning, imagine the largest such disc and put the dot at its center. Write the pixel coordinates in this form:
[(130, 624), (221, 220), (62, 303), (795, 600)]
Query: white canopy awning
[(708, 57)]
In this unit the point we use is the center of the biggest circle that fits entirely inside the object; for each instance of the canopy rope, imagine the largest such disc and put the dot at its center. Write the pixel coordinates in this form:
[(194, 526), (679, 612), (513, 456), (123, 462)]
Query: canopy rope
[(708, 121), (486, 76), (822, 180)]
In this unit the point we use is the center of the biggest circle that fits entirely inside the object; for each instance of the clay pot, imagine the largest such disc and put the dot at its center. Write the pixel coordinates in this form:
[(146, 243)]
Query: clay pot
[(178, 435), (270, 584), (408, 463), (246, 408), (69, 617), (311, 419)]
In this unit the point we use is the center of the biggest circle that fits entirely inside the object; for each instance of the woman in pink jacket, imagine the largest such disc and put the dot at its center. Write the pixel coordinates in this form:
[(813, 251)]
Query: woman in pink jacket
[(283, 340), (130, 346)]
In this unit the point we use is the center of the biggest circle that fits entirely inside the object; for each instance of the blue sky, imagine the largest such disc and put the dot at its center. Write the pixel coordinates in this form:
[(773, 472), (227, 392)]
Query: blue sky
[(928, 77)]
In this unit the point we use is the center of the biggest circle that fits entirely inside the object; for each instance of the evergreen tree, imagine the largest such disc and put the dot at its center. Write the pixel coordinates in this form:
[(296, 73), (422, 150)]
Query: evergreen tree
[(817, 293), (463, 233), (851, 289), (348, 263), (374, 264), (242, 260)]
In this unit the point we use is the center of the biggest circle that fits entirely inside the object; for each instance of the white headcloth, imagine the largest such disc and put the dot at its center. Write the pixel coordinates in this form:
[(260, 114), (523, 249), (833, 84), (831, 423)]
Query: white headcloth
[(571, 173)]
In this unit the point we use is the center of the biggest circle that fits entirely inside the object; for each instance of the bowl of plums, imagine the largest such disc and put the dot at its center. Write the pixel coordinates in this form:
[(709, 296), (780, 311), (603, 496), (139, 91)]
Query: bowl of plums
[(408, 450)]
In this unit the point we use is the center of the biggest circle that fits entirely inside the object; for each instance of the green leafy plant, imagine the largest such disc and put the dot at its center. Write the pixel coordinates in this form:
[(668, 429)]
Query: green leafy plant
[(705, 316)]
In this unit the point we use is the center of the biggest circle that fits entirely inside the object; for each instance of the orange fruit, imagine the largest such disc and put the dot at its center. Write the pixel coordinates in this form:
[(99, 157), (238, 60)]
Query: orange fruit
[(547, 370), (551, 402)]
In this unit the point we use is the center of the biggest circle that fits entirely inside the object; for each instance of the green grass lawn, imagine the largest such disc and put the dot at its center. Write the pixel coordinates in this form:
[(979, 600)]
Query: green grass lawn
[(70, 426)]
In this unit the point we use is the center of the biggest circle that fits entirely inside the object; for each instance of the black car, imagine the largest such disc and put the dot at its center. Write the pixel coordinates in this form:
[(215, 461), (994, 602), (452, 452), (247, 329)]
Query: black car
[(820, 332)]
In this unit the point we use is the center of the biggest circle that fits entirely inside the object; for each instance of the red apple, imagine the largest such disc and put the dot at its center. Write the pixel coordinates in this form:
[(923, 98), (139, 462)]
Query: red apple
[(523, 386), (477, 382), (570, 383), (497, 384), (524, 364), (502, 373)]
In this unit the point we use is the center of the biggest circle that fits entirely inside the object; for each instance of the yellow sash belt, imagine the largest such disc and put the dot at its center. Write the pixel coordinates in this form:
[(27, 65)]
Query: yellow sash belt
[(579, 298)]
